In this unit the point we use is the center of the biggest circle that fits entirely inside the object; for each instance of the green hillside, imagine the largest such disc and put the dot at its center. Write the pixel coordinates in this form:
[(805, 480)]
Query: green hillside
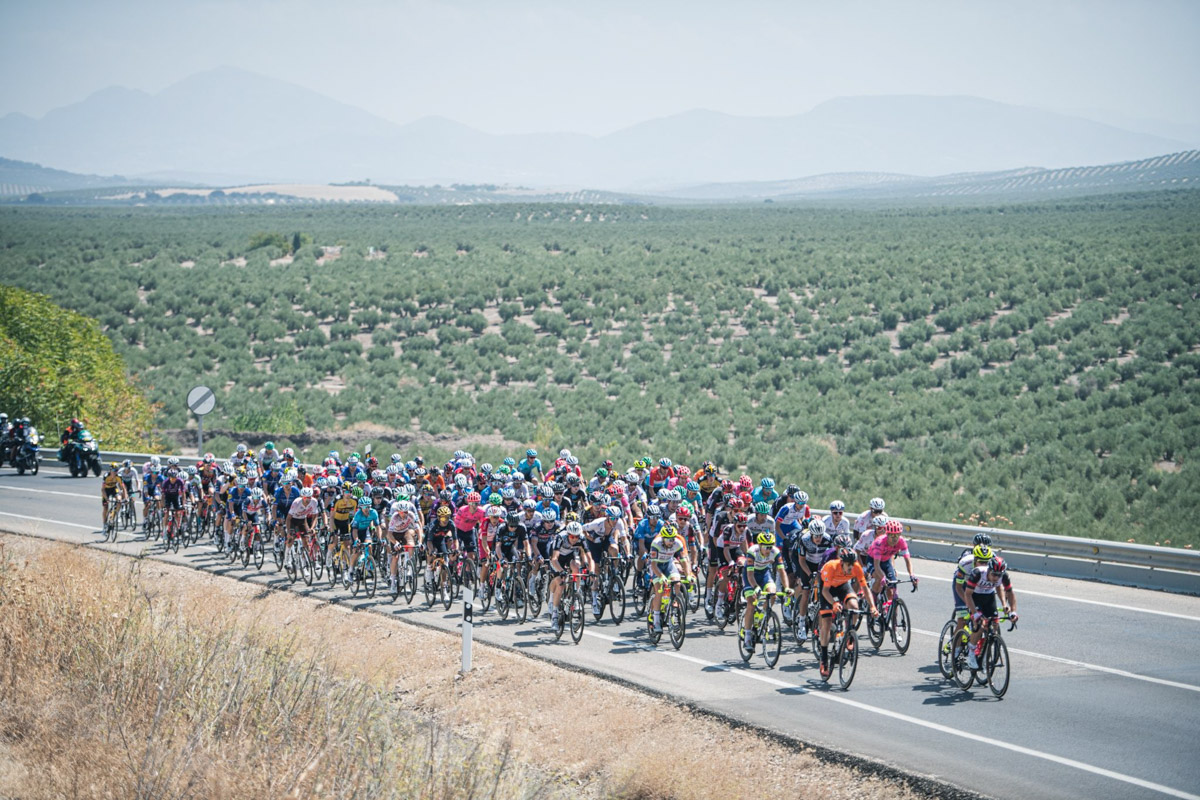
[(1037, 361)]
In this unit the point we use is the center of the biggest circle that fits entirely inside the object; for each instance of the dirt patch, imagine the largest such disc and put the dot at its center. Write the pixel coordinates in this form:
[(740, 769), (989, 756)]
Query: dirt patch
[(1166, 466)]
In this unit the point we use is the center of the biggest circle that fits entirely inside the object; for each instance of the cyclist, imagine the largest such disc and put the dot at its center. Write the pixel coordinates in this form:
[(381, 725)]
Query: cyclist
[(302, 515), (974, 558), (665, 549), (865, 523), (174, 489), (131, 476), (567, 549), (867, 537), (729, 548), (810, 550), (111, 486), (884, 549), (438, 538), (151, 480), (512, 539), (836, 579), (766, 493), (234, 502), (530, 465), (763, 561), (343, 509), (466, 519), (836, 522), (982, 588)]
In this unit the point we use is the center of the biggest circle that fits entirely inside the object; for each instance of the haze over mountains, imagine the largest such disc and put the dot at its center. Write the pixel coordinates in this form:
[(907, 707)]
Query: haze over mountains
[(227, 126)]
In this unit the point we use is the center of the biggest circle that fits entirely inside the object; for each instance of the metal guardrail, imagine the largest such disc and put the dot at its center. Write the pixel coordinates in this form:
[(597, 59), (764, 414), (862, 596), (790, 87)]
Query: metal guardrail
[(1144, 566)]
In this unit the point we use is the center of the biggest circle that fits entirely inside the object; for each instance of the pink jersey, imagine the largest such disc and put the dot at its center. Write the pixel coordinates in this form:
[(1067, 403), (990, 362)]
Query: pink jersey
[(466, 519), (880, 550)]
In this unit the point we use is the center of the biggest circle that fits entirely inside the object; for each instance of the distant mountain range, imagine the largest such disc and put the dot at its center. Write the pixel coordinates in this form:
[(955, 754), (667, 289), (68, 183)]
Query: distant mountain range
[(229, 126)]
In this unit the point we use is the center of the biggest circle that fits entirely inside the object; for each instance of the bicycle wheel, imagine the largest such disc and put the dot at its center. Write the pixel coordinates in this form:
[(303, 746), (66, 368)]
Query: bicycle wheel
[(470, 573), (964, 676), (560, 622), (246, 548), (520, 600), (260, 552), (745, 652), (848, 660), (305, 565), (676, 622), (877, 628), (446, 588), (693, 596), (654, 635), (357, 581), (772, 638), (504, 591), (536, 592), (370, 577), (291, 564), (945, 659), (430, 586), (640, 592), (577, 612), (408, 574), (997, 667), (616, 598), (901, 629), (277, 553)]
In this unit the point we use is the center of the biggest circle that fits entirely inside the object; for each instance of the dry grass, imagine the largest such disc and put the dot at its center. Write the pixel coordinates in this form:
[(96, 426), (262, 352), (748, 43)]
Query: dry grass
[(141, 679)]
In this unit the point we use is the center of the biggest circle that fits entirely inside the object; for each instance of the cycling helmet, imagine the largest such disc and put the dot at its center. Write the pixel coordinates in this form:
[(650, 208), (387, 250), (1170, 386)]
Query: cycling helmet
[(531, 453), (740, 519), (837, 505), (746, 498), (982, 553), (364, 504), (419, 472), (767, 483), (508, 493), (360, 476), (665, 463), (572, 461), (510, 462), (612, 512), (684, 512), (460, 481), (791, 490), (444, 512), (546, 491), (413, 465), (192, 471), (982, 538), (392, 469), (877, 504), (847, 555), (289, 452), (654, 510), (209, 458), (518, 477), (485, 468), (240, 481), (893, 527), (843, 540), (564, 453), (112, 465), (765, 539), (377, 491), (549, 515), (513, 518), (817, 528), (445, 495), (997, 565), (879, 520), (601, 473), (762, 507), (495, 512), (692, 486), (241, 448), (495, 498), (682, 471), (357, 492), (323, 482), (726, 487), (574, 529), (473, 497), (746, 482), (305, 492), (572, 479), (460, 454), (396, 458), (669, 532)]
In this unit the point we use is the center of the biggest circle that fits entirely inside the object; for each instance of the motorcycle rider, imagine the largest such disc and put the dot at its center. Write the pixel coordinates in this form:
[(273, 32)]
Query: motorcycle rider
[(16, 437), (70, 435)]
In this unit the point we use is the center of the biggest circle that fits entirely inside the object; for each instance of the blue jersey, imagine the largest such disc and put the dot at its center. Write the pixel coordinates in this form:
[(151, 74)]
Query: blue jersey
[(284, 497), (238, 496), (645, 530), (527, 468), (544, 505), (768, 496), (363, 520)]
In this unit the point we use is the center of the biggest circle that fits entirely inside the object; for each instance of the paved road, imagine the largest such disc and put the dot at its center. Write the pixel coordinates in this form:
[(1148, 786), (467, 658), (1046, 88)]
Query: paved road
[(1105, 699)]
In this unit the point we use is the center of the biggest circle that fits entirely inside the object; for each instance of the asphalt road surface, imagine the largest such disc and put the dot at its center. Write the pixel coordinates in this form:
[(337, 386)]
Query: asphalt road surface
[(1104, 700)]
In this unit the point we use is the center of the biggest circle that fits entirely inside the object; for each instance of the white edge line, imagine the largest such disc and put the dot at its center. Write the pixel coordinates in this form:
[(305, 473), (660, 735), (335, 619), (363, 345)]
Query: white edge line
[(48, 491), (1085, 665), (91, 528), (1082, 600), (1016, 748)]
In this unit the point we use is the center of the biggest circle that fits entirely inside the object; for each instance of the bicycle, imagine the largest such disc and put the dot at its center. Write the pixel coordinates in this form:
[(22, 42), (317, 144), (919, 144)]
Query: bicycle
[(110, 522), (339, 565), (153, 524), (893, 618), (296, 560), (991, 654), (672, 614), (437, 583), (728, 603), (570, 606), (366, 570), (764, 630), (253, 547), (128, 515), (406, 574), (511, 592), (610, 590), (172, 534), (844, 645)]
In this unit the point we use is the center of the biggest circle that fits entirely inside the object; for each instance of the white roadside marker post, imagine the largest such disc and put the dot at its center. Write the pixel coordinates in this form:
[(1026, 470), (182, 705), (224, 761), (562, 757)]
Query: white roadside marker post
[(468, 598)]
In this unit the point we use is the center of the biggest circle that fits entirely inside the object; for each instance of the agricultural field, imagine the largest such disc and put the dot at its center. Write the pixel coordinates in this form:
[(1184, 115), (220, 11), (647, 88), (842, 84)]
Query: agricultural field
[(1037, 362)]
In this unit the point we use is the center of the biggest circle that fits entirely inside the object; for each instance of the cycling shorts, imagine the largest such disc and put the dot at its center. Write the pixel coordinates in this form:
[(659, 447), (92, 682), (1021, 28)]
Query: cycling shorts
[(806, 579), (597, 549), (466, 541), (543, 547), (985, 604), (361, 534), (439, 544), (888, 569), (561, 563), (762, 576), (839, 593), (173, 502), (110, 492), (342, 526)]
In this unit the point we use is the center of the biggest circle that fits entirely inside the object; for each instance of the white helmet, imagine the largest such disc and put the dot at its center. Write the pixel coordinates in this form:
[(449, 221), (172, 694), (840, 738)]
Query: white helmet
[(877, 504), (306, 492)]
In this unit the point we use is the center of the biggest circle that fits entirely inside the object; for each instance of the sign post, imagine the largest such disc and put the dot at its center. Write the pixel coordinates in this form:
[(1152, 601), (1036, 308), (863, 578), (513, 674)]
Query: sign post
[(468, 599), (201, 401)]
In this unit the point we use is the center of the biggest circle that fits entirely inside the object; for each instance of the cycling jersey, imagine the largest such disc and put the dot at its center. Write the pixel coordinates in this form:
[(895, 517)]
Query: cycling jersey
[(841, 526), (880, 550), (761, 495), (302, 508), (978, 581), (813, 552), (111, 480), (527, 467), (363, 520), (344, 508), (792, 516), (664, 550), (833, 575), (759, 557)]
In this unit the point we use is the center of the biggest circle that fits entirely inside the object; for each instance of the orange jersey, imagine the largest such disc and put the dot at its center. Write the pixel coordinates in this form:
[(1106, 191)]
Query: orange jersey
[(833, 575)]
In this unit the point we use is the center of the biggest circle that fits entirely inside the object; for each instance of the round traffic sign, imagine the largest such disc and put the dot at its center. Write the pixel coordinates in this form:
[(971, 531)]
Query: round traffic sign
[(201, 400)]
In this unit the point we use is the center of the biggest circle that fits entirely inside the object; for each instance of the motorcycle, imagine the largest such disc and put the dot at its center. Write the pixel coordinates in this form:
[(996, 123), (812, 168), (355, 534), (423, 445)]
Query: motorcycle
[(82, 454), (26, 457)]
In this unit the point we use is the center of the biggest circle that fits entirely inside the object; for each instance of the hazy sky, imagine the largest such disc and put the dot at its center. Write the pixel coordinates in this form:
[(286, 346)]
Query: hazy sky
[(510, 66)]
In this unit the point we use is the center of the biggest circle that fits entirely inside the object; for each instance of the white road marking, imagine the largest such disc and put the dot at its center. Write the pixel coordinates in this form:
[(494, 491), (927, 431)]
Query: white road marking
[(1084, 665), (49, 491), (51, 521), (1024, 592), (1016, 748)]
